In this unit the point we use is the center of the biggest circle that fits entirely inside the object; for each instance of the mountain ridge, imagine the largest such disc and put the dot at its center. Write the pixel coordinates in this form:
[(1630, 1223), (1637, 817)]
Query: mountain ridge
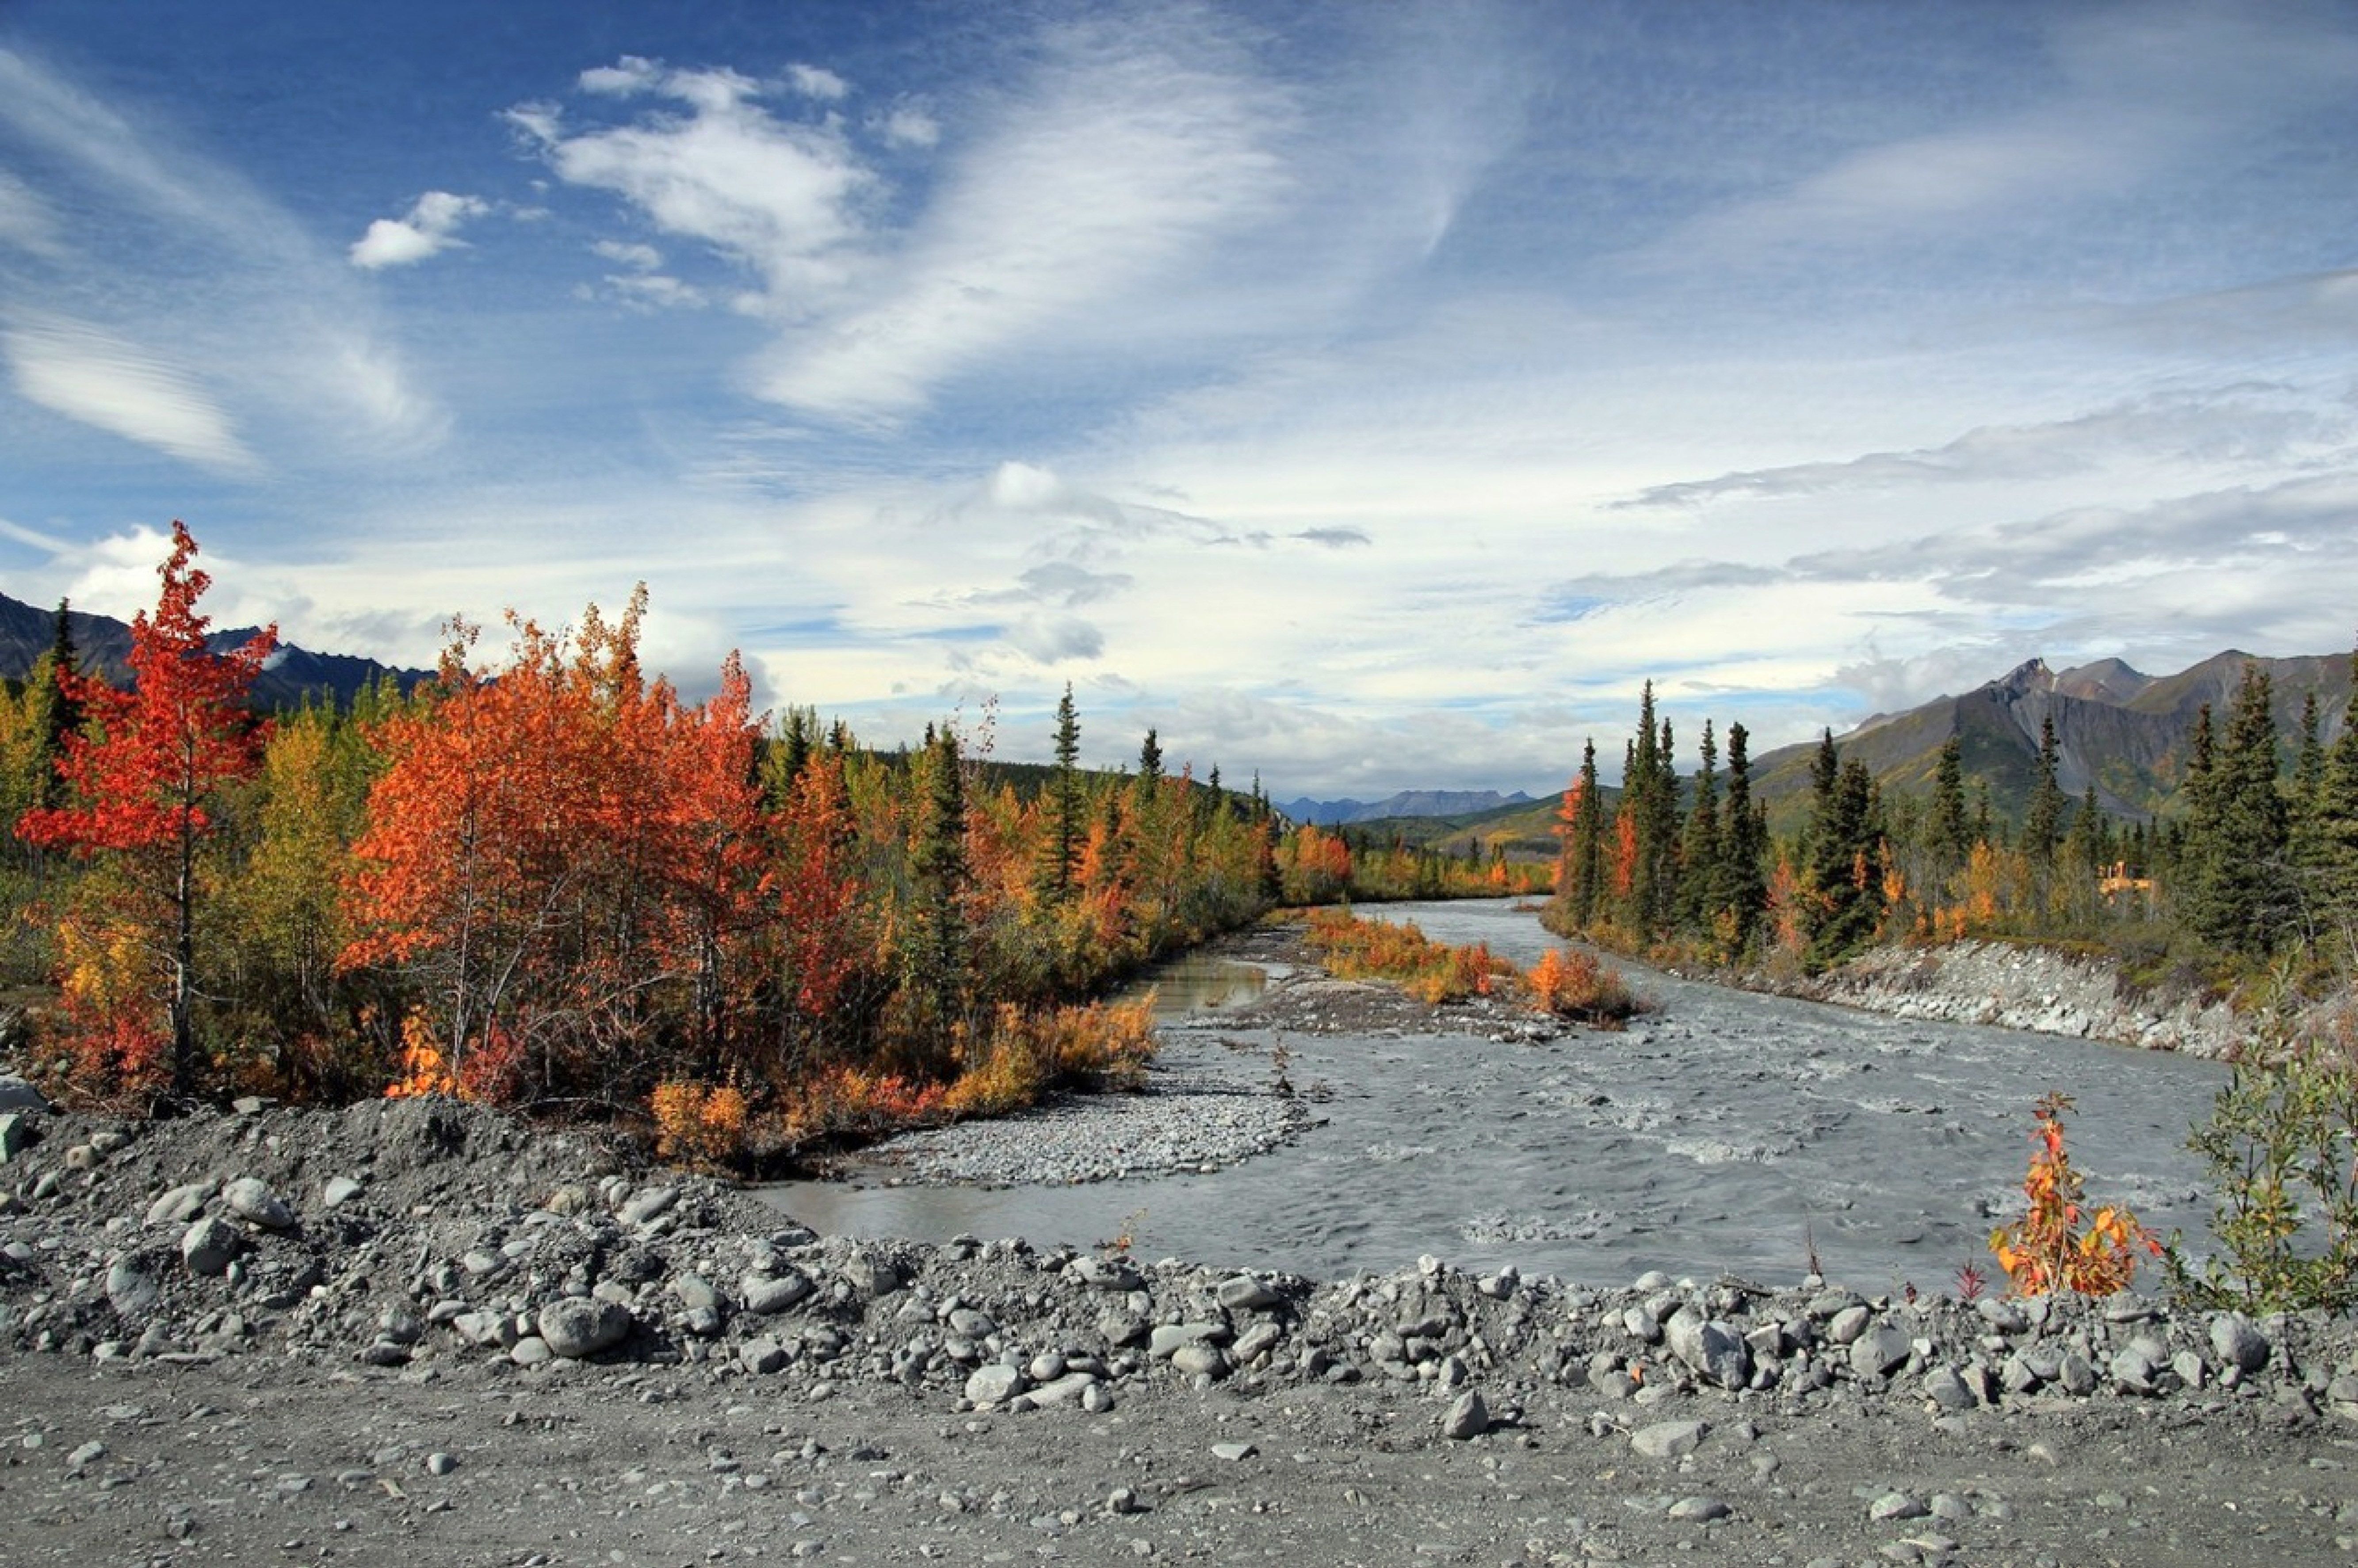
[(290, 677), (1407, 803)]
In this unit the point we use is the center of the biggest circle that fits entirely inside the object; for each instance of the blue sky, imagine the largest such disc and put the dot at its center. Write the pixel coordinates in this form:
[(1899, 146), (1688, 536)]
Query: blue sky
[(1368, 396)]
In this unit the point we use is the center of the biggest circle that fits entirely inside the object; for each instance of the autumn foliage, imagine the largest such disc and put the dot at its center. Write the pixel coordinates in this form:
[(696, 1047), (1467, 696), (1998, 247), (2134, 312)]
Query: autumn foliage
[(2059, 1245), (145, 774), (1576, 985), (1357, 948), (545, 877)]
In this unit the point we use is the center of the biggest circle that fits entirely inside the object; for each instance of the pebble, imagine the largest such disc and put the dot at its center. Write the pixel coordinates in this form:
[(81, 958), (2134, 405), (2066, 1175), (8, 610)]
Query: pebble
[(1668, 1439)]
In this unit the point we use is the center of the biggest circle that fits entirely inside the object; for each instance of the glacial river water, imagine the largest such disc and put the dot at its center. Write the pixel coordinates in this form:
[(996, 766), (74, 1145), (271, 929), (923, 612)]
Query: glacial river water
[(1725, 1132)]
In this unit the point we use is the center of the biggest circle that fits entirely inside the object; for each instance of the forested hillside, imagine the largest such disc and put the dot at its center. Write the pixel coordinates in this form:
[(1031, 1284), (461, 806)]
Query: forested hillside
[(2248, 851)]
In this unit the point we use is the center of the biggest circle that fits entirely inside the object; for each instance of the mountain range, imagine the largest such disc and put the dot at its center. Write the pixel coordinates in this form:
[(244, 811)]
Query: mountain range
[(2126, 732), (291, 677), (1408, 803)]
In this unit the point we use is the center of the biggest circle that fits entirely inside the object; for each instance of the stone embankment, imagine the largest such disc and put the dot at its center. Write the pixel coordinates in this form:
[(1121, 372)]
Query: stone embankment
[(2022, 986)]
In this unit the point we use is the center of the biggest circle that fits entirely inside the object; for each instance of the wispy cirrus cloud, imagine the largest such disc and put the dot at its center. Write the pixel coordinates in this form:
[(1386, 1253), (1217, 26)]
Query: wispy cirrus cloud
[(1123, 158), (2138, 90), (77, 370), (26, 220), (170, 246), (2248, 423)]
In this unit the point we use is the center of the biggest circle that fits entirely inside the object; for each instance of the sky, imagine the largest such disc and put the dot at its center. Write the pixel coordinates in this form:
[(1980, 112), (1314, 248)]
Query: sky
[(1366, 397)]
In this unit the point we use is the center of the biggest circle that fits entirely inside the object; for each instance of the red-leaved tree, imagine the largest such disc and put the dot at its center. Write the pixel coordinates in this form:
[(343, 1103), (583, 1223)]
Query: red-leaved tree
[(145, 773)]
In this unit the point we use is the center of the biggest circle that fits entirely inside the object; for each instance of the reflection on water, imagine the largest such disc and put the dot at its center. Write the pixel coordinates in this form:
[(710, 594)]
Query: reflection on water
[(1195, 982), (1727, 1131)]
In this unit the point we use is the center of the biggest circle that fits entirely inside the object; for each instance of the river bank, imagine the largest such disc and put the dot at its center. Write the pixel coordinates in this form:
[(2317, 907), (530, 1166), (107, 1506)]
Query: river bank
[(2022, 985), (421, 1328), (423, 1331)]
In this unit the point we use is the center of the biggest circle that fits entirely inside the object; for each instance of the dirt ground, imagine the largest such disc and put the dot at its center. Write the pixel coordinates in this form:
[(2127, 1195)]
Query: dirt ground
[(260, 1461)]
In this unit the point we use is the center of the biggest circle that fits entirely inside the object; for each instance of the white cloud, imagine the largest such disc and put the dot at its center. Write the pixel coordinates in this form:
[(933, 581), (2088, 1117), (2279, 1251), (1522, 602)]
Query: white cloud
[(430, 228), (907, 125), (776, 197), (1120, 165), (638, 257), (657, 291), (84, 373), (184, 250), (817, 82)]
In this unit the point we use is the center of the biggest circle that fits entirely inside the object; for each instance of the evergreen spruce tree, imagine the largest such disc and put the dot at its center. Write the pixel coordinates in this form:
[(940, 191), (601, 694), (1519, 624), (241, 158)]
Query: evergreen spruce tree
[(1582, 878), (2334, 896), (1844, 877), (2087, 848), (1063, 848), (939, 976), (59, 713), (2237, 831), (1699, 848), (1742, 885), (1951, 834), (2042, 822)]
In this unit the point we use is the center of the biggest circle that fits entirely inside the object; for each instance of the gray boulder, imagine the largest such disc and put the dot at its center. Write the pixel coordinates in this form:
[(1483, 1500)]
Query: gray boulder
[(251, 1199), (209, 1246), (2239, 1344), (1883, 1350), (131, 1289), (1467, 1418), (1712, 1350), (583, 1325), (1668, 1439), (994, 1384), (1245, 1293), (764, 1295), (16, 1094)]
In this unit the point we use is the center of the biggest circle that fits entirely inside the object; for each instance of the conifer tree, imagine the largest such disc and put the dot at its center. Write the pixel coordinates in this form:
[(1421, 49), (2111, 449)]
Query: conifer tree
[(2235, 869), (1742, 885), (60, 706), (1066, 806), (2335, 873), (1580, 879), (1846, 889), (2042, 823), (939, 953), (1952, 835), (1699, 846)]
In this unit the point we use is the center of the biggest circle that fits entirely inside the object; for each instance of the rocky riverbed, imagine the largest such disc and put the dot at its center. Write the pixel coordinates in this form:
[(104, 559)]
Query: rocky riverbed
[(419, 1331)]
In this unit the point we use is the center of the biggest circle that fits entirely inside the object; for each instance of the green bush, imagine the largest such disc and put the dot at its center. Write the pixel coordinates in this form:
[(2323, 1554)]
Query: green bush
[(2282, 1145)]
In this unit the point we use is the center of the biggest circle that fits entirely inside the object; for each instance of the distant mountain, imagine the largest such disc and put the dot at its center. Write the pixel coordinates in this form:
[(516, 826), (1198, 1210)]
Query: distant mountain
[(2126, 733), (294, 676), (1408, 803)]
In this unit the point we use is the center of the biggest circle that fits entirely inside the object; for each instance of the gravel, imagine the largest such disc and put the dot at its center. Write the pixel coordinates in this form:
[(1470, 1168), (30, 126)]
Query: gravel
[(1196, 1122), (504, 1345)]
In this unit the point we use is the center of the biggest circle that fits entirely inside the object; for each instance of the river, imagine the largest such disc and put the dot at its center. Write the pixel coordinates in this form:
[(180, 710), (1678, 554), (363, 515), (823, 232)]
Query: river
[(1725, 1132)]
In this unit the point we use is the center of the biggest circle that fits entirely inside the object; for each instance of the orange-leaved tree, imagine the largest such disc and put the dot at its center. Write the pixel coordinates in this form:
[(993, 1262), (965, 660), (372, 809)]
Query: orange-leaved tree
[(563, 861), (146, 773)]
